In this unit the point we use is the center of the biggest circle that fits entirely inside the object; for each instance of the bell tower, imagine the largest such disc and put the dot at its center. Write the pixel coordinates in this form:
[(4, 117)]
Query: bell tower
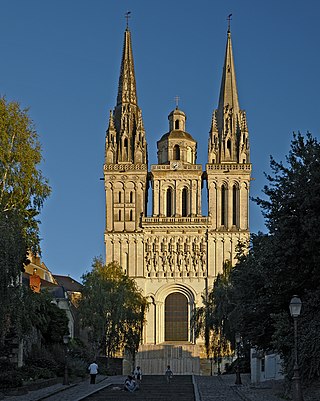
[(228, 168), (125, 170)]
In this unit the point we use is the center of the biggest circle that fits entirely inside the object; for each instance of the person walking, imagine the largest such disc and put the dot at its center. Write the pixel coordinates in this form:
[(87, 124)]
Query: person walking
[(93, 370), (137, 374), (168, 374)]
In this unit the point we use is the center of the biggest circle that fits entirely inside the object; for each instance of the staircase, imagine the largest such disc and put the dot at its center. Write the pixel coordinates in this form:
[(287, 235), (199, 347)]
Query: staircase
[(152, 388)]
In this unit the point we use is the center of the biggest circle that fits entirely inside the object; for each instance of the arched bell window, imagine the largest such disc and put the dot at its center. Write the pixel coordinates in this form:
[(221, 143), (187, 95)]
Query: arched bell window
[(176, 152), (184, 202), (235, 201), (169, 202), (223, 205)]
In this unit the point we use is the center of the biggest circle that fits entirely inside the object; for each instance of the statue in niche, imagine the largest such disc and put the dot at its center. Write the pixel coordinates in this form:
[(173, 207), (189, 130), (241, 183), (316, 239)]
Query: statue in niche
[(171, 261), (196, 261), (164, 261), (187, 261), (203, 260), (148, 261), (179, 261), (155, 262)]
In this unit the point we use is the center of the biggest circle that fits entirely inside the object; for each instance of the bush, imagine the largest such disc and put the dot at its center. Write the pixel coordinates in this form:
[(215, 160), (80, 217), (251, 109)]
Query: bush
[(10, 379), (35, 372)]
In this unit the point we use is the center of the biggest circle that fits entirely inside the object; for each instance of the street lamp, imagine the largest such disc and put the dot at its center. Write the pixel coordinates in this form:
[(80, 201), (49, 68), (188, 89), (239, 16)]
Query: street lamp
[(238, 341), (295, 309), (66, 376)]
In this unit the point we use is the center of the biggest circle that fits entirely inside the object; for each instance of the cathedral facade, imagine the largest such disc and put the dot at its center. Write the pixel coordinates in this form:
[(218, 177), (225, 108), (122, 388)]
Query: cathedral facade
[(175, 254)]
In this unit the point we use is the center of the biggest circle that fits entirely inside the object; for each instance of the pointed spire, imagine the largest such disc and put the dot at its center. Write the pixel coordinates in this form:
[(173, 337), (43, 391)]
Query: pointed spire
[(228, 140), (127, 92), (127, 117), (228, 90)]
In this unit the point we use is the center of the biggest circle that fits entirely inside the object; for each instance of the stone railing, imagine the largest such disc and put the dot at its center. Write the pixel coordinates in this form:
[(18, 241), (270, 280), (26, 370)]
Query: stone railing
[(229, 167), (125, 167), (175, 220), (183, 166)]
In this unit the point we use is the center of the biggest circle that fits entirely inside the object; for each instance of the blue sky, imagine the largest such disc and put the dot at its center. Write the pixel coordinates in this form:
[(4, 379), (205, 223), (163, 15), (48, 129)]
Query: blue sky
[(62, 58)]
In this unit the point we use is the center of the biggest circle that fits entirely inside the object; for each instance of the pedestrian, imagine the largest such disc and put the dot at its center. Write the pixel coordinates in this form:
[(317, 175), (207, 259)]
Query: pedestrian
[(93, 370), (137, 374), (168, 374), (130, 384)]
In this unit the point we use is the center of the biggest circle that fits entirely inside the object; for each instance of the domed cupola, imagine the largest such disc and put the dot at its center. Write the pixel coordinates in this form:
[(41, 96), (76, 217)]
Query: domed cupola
[(177, 144)]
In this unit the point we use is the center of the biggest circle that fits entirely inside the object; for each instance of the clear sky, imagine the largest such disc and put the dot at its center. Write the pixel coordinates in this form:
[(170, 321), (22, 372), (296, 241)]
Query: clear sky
[(61, 58)]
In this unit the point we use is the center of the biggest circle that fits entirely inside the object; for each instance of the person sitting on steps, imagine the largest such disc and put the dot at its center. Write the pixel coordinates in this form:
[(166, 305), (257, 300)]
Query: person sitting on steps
[(130, 384)]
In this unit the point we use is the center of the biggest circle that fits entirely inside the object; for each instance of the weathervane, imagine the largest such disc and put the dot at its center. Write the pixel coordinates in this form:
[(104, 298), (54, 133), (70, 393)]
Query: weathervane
[(127, 14), (177, 98), (229, 21)]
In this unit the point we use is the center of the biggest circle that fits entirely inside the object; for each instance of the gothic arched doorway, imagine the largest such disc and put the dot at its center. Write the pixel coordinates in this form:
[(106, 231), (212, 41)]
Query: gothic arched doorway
[(176, 317)]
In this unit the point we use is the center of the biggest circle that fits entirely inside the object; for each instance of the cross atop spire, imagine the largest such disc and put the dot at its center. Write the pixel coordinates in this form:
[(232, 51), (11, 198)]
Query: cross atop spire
[(177, 98), (229, 21), (127, 16)]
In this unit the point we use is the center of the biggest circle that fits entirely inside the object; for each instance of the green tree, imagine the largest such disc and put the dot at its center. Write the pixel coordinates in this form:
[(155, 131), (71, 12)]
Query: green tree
[(284, 262), (23, 190), (22, 185), (211, 320), (112, 307)]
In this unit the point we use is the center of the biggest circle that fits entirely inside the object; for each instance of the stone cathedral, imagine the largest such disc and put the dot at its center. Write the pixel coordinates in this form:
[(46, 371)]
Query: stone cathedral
[(176, 253)]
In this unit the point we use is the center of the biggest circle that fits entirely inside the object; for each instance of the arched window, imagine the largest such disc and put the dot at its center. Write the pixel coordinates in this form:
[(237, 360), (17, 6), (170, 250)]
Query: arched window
[(176, 152), (119, 215), (131, 215), (234, 205), (169, 202), (176, 124), (119, 196), (131, 197), (223, 205), (176, 317), (184, 202), (229, 145)]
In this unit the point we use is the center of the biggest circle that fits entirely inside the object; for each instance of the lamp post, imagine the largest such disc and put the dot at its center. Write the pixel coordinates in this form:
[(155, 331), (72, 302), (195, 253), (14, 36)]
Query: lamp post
[(295, 309), (66, 376), (238, 341)]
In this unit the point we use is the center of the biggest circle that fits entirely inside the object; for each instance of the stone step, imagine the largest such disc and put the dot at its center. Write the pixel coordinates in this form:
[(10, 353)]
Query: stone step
[(152, 388)]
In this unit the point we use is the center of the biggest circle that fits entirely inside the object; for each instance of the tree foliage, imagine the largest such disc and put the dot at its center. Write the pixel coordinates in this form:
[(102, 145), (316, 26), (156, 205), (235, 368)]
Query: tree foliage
[(284, 262), (211, 319), (22, 185), (23, 190), (113, 308)]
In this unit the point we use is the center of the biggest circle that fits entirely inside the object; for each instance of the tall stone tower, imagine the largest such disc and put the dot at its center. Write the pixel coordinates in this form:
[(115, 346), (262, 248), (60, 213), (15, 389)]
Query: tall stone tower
[(125, 172), (176, 253)]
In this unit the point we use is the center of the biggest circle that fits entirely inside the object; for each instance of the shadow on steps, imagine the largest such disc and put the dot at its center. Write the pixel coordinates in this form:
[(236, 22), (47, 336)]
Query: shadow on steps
[(152, 388)]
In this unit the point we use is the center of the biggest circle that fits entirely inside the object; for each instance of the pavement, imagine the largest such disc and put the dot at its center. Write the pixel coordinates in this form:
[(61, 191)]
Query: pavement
[(72, 392), (208, 388)]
